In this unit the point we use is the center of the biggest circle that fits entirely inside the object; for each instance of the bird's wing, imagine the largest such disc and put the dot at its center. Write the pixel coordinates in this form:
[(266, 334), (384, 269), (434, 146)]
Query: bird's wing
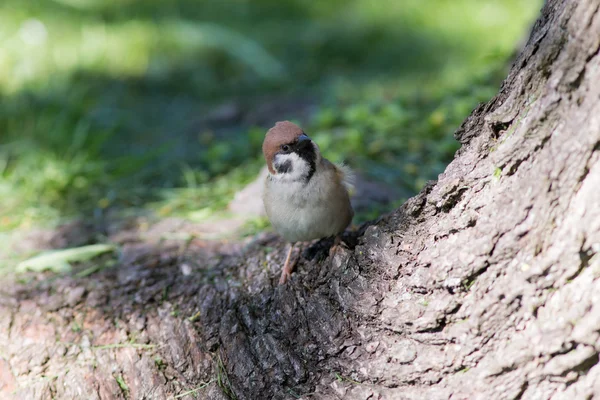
[(344, 174)]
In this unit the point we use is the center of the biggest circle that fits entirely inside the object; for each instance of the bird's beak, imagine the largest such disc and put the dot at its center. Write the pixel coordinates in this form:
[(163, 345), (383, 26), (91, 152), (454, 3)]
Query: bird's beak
[(303, 140)]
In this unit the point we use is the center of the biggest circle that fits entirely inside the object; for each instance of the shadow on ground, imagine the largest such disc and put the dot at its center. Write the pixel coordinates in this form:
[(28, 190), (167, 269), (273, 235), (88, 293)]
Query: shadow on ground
[(175, 315)]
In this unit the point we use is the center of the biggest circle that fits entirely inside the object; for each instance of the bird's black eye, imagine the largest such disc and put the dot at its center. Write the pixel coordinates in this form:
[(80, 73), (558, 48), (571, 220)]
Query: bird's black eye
[(285, 148)]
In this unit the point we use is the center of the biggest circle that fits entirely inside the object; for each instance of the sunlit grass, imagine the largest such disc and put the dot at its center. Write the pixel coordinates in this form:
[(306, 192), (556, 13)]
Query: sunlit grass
[(100, 97), (37, 49), (40, 40)]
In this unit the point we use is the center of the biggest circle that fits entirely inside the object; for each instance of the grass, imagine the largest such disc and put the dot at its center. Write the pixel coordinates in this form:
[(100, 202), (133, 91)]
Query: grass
[(124, 345), (194, 391), (341, 378), (110, 106), (109, 346), (122, 384), (223, 379)]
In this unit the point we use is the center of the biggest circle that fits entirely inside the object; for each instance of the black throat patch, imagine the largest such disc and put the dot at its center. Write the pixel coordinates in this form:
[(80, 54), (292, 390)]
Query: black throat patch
[(285, 167), (307, 153), (305, 150)]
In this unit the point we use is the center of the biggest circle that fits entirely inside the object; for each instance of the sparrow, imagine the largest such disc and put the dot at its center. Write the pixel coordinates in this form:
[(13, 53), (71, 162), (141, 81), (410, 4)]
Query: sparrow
[(305, 195)]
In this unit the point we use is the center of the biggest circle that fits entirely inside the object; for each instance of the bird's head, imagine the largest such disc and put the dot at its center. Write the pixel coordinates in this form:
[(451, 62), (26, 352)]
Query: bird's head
[(290, 154)]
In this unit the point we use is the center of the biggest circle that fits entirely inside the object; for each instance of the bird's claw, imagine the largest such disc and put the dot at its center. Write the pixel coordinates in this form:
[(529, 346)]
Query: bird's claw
[(337, 243), (332, 250)]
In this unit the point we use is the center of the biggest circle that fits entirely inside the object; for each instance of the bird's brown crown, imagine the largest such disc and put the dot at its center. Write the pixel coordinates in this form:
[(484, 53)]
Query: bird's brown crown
[(284, 132)]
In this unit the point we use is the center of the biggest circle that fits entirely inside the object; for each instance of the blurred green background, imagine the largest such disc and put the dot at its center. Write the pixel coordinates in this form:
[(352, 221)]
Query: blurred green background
[(161, 106)]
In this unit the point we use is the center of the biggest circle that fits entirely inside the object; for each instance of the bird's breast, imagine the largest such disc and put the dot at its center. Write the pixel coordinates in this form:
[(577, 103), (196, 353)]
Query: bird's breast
[(305, 211)]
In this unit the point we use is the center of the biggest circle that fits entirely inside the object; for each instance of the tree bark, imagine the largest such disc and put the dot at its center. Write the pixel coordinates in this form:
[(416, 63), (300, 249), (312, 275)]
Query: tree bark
[(484, 286)]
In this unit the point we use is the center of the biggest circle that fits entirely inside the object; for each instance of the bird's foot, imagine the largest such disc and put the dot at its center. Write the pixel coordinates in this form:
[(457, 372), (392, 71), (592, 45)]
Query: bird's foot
[(288, 267), (337, 243), (285, 275)]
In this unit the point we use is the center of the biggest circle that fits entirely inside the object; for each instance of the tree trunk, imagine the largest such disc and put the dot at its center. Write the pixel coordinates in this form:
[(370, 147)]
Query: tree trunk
[(484, 286)]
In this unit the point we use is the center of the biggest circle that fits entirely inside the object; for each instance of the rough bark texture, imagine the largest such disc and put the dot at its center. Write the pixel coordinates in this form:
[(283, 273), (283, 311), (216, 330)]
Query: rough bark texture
[(484, 286)]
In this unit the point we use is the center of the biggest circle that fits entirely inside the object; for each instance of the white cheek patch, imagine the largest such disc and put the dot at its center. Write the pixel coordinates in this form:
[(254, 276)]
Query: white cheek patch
[(298, 168)]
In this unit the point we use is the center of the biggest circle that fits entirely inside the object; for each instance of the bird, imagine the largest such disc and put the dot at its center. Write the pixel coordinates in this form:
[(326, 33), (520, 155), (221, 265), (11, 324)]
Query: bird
[(306, 197)]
